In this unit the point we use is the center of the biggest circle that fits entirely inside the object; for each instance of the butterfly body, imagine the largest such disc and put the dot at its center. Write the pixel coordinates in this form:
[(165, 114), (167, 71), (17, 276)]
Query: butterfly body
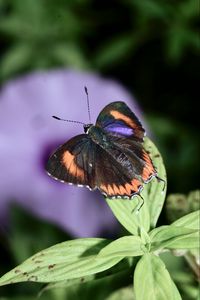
[(109, 156), (99, 137)]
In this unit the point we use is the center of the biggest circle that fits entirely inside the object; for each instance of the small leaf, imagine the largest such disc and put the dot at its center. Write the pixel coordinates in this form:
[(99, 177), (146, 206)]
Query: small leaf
[(152, 280), (179, 205), (122, 247), (125, 293), (145, 237), (194, 200), (176, 206), (191, 220), (153, 192), (67, 260), (173, 237)]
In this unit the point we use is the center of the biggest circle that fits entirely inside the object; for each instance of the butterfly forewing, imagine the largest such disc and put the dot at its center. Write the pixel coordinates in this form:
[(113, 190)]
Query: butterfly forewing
[(74, 162), (117, 119)]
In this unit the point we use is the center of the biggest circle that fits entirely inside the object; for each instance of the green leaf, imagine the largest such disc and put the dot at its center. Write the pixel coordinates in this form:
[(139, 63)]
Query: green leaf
[(114, 50), (128, 215), (67, 260), (153, 192), (174, 237), (178, 38), (187, 241), (18, 57), (152, 280), (112, 279), (179, 205), (194, 200), (69, 54), (176, 207), (125, 293), (122, 247), (191, 220)]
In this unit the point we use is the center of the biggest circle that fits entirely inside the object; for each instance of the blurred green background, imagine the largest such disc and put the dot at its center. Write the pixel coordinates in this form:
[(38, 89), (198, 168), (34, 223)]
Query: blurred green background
[(151, 46)]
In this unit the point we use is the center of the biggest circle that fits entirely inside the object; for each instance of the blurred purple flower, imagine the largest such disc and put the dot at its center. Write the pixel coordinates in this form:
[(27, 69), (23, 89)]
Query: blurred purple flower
[(28, 134)]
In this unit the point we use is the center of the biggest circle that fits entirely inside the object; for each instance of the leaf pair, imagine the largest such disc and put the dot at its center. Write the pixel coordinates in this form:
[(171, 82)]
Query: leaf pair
[(172, 236), (84, 257)]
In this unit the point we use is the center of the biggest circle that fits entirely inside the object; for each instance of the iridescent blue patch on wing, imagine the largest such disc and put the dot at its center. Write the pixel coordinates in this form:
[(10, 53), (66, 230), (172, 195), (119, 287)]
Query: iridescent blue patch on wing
[(120, 129)]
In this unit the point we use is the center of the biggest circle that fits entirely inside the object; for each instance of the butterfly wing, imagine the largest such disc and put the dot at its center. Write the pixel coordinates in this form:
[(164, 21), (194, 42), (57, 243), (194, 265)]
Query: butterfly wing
[(130, 167), (112, 179), (142, 165), (117, 119), (74, 162), (123, 169)]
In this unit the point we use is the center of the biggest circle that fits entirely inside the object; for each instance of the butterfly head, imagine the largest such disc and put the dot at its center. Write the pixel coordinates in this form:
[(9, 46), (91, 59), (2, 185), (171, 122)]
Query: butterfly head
[(87, 127)]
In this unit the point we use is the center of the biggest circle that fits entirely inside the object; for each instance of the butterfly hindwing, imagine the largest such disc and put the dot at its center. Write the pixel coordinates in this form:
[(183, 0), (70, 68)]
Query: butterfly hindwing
[(113, 178), (123, 169), (141, 162), (117, 119), (74, 162)]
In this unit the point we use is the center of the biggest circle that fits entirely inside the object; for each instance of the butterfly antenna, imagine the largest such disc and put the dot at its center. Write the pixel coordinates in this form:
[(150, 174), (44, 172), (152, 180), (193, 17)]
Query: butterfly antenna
[(72, 121), (88, 103)]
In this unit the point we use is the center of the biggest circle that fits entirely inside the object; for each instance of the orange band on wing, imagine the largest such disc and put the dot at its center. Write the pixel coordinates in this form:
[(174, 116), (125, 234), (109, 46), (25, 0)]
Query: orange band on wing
[(122, 190), (73, 169), (148, 170), (136, 184), (117, 115), (109, 190), (119, 190), (116, 189), (128, 189)]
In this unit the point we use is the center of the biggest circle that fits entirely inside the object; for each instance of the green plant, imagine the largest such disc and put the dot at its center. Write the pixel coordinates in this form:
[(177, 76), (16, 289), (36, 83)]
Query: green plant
[(86, 34), (77, 261)]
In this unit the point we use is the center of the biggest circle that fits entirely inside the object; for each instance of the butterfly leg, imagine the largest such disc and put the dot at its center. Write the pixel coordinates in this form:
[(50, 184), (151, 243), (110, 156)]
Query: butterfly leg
[(140, 202), (139, 205), (161, 180)]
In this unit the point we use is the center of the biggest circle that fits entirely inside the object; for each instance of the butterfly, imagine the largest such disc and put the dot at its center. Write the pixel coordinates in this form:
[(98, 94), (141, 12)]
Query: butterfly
[(109, 156)]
